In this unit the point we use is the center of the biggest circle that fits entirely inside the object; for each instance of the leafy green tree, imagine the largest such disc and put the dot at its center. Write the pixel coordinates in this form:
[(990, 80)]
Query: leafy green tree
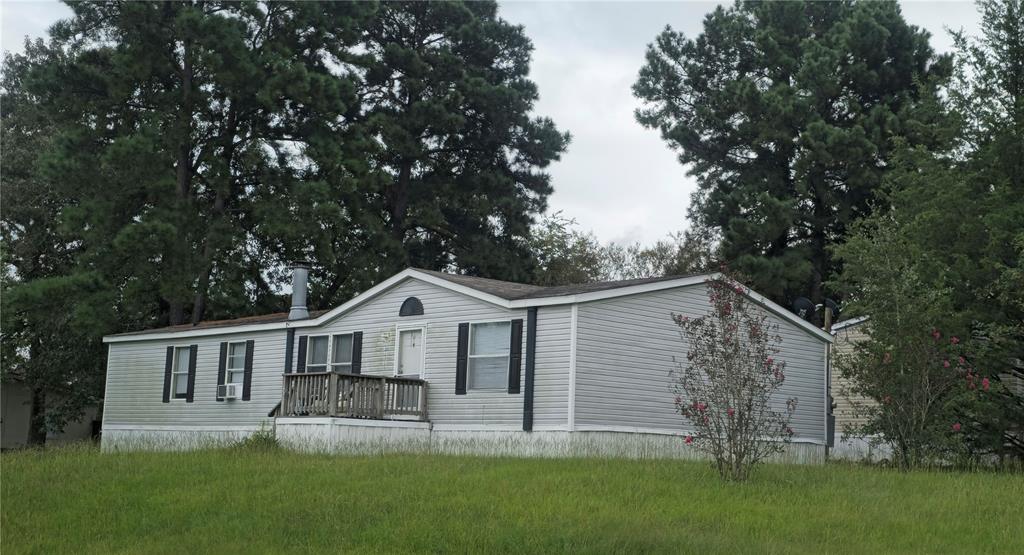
[(957, 210), (565, 255), (785, 113)]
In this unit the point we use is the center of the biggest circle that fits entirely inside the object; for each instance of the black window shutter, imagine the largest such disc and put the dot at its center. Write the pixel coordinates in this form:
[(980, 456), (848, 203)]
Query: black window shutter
[(462, 360), (222, 363), (288, 346), (167, 374), (193, 350), (515, 359), (247, 377), (301, 366), (357, 352)]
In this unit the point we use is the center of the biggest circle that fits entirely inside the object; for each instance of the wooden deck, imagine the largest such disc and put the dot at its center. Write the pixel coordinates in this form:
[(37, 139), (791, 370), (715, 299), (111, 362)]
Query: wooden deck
[(353, 396)]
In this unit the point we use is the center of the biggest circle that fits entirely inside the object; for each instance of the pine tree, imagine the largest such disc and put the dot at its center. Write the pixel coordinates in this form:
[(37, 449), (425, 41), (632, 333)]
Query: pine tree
[(785, 114)]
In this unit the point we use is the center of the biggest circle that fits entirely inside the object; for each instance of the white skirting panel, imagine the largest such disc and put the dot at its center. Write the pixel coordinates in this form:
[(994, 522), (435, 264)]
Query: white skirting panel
[(350, 435), (172, 438), (858, 449), (371, 437), (368, 437)]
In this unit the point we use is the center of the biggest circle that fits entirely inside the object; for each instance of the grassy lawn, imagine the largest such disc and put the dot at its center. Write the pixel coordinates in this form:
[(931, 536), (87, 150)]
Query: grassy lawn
[(234, 501)]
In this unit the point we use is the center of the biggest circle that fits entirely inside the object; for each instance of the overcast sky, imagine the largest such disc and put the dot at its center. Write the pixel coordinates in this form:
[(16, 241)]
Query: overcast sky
[(617, 179)]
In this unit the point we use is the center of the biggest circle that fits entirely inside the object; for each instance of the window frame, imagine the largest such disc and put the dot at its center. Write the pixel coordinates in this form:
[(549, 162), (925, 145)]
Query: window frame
[(470, 356), (410, 326), (187, 349), (228, 370), (330, 352), (329, 365)]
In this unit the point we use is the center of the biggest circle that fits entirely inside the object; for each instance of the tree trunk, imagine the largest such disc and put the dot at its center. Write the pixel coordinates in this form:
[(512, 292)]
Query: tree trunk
[(183, 170), (398, 204), (219, 211), (37, 418)]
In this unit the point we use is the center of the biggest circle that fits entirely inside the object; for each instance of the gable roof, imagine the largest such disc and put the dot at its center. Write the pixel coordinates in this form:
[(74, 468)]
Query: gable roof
[(513, 291), (505, 294)]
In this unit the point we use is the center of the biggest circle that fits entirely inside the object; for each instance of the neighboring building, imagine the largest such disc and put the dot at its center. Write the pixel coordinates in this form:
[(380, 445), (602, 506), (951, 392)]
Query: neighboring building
[(847, 334), (16, 415), (449, 363)]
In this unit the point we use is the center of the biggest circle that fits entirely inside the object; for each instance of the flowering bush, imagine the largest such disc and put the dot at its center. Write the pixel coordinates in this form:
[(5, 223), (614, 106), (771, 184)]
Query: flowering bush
[(726, 386), (925, 395)]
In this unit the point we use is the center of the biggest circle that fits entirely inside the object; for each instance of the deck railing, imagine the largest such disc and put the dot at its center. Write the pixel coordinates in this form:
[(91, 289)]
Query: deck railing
[(353, 396)]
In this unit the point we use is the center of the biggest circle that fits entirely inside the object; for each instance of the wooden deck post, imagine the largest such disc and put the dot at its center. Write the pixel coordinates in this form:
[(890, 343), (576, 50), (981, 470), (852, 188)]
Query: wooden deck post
[(332, 394)]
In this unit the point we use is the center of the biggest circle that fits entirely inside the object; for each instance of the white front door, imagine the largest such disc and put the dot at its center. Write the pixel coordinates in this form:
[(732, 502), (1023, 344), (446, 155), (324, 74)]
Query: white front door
[(410, 353)]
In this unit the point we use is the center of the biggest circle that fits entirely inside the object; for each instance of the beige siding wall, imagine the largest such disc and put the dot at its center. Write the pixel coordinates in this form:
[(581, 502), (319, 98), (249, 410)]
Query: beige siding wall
[(846, 338), (628, 346)]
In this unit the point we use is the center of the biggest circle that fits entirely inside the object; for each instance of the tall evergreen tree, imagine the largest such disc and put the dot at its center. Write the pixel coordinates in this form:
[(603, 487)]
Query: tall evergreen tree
[(785, 113), (164, 161), (452, 166)]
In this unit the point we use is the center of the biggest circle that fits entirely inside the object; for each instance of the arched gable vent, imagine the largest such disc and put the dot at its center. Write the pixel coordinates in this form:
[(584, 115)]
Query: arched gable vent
[(411, 307)]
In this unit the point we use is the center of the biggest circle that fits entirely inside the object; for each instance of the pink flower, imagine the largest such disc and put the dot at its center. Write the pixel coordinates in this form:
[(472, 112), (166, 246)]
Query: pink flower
[(945, 364), (769, 361), (954, 340), (936, 334), (679, 399), (688, 440), (956, 427), (984, 384), (701, 407), (731, 411), (887, 358), (961, 360)]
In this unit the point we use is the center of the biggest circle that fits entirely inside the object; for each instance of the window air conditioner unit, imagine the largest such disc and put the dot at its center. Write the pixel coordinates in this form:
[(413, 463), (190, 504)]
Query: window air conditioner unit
[(229, 391)]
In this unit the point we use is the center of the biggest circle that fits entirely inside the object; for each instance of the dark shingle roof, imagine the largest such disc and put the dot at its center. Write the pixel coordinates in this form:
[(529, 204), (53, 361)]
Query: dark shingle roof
[(510, 290), (246, 321)]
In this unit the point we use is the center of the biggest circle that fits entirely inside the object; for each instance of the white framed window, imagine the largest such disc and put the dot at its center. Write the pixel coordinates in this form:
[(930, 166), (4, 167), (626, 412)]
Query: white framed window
[(235, 371), (341, 353), (317, 350), (179, 372), (488, 355), (329, 351)]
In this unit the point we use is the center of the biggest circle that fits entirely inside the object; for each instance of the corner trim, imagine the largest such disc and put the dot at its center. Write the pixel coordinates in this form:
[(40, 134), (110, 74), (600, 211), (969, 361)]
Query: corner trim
[(573, 326)]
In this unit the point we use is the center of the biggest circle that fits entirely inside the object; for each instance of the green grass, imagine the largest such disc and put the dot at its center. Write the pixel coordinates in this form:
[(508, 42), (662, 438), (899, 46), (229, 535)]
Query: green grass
[(235, 501)]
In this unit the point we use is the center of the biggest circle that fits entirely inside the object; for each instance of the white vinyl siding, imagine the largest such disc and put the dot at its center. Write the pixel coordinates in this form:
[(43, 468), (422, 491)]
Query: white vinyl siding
[(627, 347), (135, 377), (443, 311), (135, 370)]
